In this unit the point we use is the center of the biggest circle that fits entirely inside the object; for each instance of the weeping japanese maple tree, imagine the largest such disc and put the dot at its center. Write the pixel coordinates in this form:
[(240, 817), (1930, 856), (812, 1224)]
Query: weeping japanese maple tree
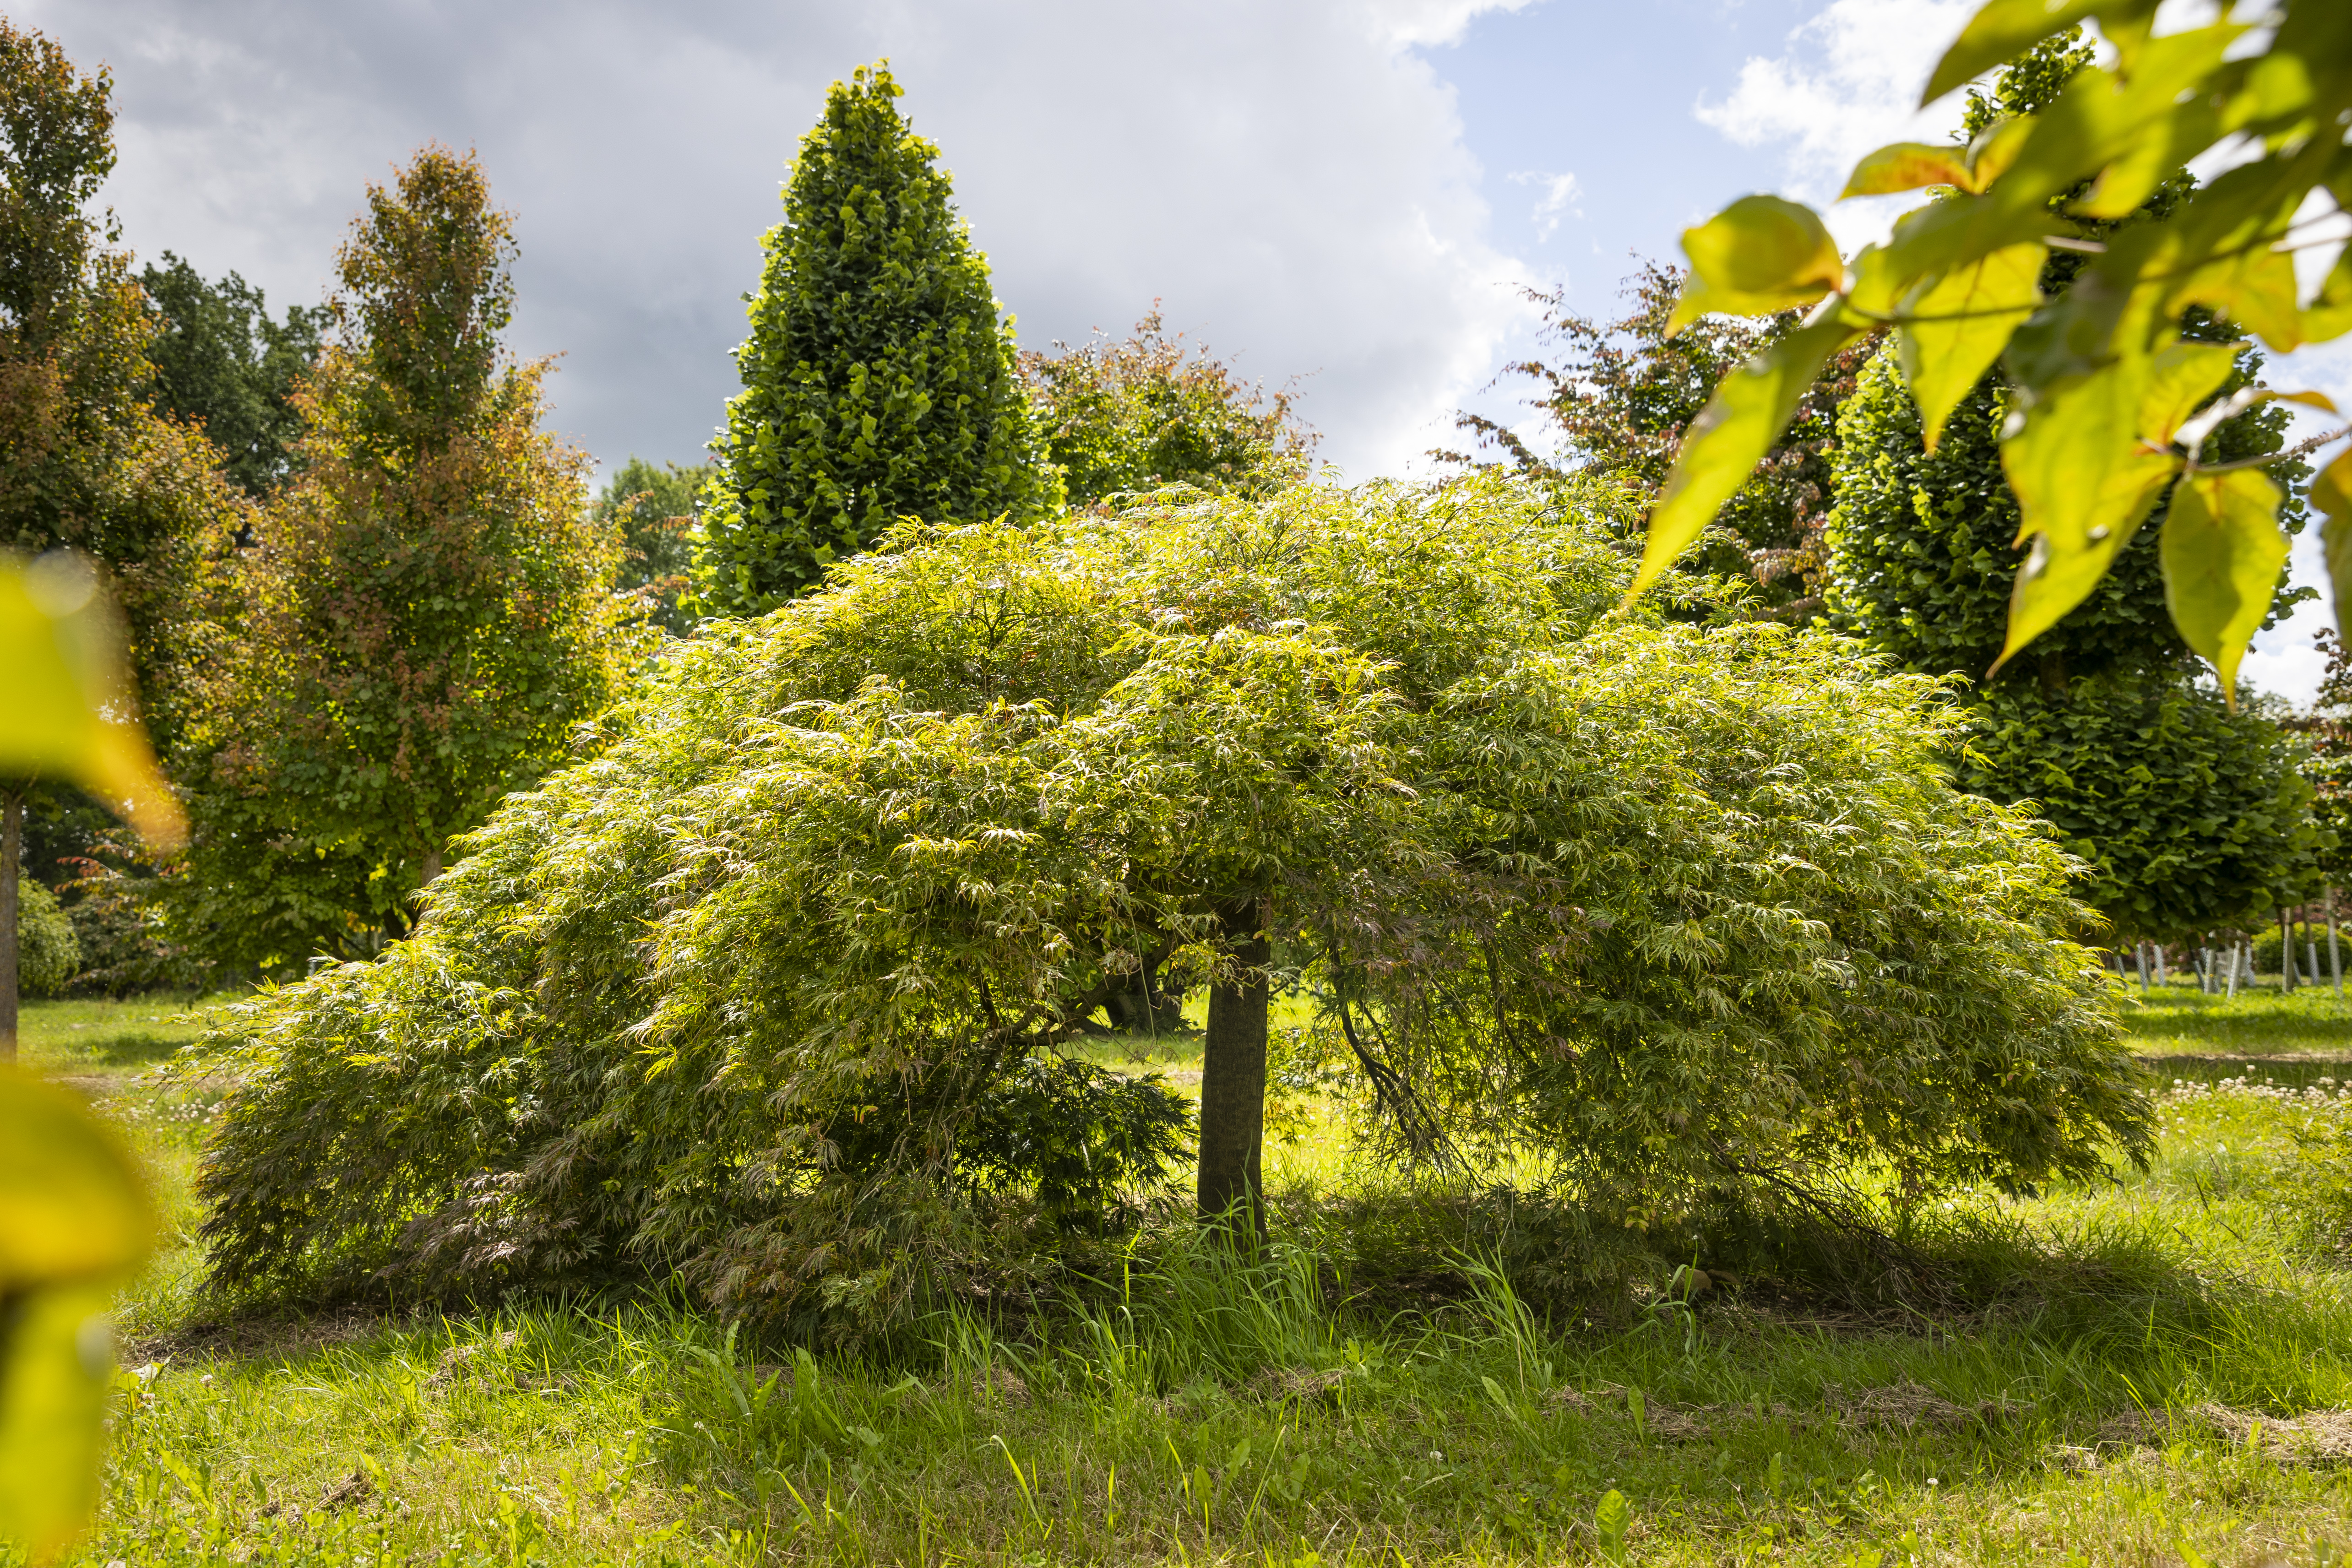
[(777, 988)]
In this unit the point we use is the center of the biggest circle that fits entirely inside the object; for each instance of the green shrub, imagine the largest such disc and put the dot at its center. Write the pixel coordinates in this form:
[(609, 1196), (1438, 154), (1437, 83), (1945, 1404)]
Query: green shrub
[(46, 953), (2266, 949), (655, 510), (771, 990)]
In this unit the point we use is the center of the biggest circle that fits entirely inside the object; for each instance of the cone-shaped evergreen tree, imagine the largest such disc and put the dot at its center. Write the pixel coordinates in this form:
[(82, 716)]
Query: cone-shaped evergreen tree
[(878, 381)]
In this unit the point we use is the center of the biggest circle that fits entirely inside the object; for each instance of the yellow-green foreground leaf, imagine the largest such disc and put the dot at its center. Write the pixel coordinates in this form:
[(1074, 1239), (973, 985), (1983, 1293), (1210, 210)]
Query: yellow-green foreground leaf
[(1960, 326), (75, 1222), (2223, 551), (2331, 495), (55, 1359), (2181, 376), (1760, 255), (1909, 166), (2084, 482), (1747, 415), (71, 1203), (69, 701)]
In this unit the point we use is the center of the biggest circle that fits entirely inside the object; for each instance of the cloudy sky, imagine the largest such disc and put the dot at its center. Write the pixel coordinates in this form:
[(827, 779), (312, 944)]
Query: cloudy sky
[(1351, 193)]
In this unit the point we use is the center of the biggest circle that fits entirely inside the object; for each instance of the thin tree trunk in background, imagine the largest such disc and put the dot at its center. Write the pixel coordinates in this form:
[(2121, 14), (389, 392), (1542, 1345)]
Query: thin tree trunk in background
[(2286, 954), (2139, 959), (2335, 955), (2232, 995), (1232, 1085), (12, 845)]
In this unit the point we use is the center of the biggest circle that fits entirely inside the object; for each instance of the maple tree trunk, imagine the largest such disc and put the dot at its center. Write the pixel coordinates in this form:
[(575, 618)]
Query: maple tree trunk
[(1233, 1086)]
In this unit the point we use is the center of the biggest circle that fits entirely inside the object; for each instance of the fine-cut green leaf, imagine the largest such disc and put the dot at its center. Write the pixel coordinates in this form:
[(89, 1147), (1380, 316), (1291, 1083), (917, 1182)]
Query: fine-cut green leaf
[(2003, 30), (2222, 550), (1760, 255), (1958, 327), (2182, 376), (1747, 415), (2331, 496), (2084, 482)]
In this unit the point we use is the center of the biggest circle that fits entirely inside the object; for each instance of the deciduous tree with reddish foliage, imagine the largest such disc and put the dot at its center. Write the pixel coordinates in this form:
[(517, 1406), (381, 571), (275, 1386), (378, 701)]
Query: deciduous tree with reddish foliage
[(1619, 396), (428, 613), (1151, 410)]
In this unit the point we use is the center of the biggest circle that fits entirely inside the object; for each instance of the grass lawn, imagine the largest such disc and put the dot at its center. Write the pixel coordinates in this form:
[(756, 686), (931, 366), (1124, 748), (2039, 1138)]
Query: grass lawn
[(2164, 1377)]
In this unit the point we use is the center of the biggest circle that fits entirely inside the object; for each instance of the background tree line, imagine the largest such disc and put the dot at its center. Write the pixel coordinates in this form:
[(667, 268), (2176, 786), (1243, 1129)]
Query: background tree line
[(367, 596)]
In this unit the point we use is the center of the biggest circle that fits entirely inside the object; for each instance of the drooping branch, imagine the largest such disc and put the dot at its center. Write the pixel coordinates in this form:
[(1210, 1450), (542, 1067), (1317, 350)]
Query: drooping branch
[(1424, 1135)]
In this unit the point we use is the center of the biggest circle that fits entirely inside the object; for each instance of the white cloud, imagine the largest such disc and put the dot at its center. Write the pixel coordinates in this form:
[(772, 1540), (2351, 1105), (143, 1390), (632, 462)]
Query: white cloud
[(1849, 83), (1425, 23), (1289, 179), (1558, 191)]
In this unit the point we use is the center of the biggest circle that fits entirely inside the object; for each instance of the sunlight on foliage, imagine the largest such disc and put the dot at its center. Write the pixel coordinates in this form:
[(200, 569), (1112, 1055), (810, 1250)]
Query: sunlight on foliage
[(2105, 386), (1691, 911)]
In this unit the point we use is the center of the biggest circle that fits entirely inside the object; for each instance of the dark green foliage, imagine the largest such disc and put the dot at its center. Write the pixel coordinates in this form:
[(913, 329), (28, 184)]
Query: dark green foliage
[(56, 147), (2028, 84), (763, 991), (654, 510), (1084, 1139), (1134, 416), (47, 952), (1923, 548), (878, 381), (2326, 731), (2191, 818), (222, 362), (2266, 947), (110, 895)]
